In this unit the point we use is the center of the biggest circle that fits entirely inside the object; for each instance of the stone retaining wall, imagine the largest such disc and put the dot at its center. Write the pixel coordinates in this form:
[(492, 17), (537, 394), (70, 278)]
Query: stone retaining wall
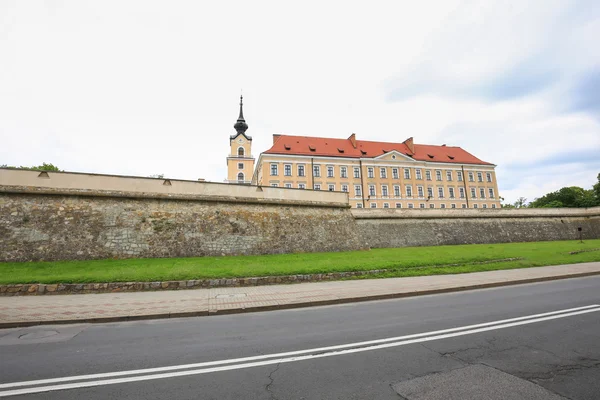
[(405, 228)]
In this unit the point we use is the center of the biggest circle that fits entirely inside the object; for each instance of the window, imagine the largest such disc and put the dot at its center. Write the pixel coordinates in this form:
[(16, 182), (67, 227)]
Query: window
[(357, 191), (274, 170), (422, 205), (448, 175), (488, 176), (288, 185), (274, 185), (430, 192), (373, 205), (418, 174), (287, 169), (441, 192), (386, 205), (428, 174), (345, 188), (409, 191), (398, 205), (396, 190), (475, 206), (356, 172), (301, 186), (493, 206), (372, 190), (300, 170), (431, 205), (317, 187), (452, 205), (240, 165), (406, 173), (461, 192), (410, 205), (344, 172), (451, 192), (463, 206), (479, 177), (420, 191), (473, 193), (485, 206), (241, 177), (395, 173), (442, 206), (459, 176), (438, 175), (330, 171), (240, 151), (317, 170), (471, 177), (331, 188), (370, 172), (358, 205), (482, 193), (491, 192), (384, 190), (382, 172)]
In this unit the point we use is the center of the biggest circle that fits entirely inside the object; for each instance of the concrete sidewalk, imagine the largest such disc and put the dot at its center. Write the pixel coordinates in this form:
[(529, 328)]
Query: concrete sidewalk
[(35, 310)]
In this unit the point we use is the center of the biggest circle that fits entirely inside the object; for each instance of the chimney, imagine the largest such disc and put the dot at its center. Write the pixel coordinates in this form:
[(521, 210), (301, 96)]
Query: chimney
[(409, 143), (352, 139), (275, 137)]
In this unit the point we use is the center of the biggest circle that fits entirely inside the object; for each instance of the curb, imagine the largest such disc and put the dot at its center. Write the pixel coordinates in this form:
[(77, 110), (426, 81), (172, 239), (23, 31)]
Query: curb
[(22, 324)]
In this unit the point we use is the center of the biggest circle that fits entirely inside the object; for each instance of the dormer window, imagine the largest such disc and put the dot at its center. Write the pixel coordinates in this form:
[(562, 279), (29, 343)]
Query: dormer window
[(287, 146), (430, 155), (363, 152), (340, 150), (311, 148), (451, 157)]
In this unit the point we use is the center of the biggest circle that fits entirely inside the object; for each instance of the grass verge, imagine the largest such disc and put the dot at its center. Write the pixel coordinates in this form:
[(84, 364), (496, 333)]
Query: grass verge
[(408, 261)]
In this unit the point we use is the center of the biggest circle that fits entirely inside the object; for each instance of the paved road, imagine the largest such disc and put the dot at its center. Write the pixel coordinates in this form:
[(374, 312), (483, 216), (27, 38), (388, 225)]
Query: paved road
[(549, 356)]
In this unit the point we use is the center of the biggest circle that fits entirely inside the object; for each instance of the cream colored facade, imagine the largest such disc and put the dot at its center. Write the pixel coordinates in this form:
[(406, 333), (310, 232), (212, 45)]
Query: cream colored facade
[(240, 162), (388, 181)]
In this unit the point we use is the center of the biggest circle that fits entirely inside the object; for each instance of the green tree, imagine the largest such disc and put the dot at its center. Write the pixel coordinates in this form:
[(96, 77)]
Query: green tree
[(596, 189), (520, 203), (572, 196), (43, 167)]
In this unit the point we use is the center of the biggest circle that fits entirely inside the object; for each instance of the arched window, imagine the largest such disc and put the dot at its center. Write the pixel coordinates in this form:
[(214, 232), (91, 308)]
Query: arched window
[(241, 177), (240, 151)]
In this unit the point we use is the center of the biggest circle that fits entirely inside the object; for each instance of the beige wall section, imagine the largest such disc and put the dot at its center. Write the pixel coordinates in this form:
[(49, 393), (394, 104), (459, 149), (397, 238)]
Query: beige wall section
[(19, 181), (448, 183), (240, 155)]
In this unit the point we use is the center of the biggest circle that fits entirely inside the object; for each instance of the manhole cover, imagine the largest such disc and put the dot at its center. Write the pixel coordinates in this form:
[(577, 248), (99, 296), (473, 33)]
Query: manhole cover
[(229, 296), (38, 335)]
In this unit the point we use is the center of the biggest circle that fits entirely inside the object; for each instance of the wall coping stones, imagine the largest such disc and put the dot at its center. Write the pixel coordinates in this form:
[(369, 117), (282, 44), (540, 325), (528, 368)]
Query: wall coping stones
[(35, 289), (439, 213)]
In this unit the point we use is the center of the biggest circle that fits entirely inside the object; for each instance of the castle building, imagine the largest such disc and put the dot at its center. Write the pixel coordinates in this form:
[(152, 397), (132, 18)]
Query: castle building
[(240, 162), (374, 174)]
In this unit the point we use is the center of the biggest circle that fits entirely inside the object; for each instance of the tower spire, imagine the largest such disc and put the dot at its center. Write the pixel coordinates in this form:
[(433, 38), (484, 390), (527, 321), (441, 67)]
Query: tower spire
[(241, 126)]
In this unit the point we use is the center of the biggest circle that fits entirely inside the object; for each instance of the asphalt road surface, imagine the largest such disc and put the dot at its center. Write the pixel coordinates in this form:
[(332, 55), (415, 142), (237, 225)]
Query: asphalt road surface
[(538, 341)]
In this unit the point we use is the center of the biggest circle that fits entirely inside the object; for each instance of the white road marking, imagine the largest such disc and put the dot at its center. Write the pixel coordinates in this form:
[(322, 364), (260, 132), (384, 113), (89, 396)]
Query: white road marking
[(320, 353)]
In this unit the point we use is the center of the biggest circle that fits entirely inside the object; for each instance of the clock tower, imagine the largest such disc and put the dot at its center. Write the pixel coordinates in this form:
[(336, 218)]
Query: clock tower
[(240, 162)]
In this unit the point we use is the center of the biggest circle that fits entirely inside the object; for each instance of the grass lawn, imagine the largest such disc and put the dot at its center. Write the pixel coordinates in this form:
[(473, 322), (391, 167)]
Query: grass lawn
[(408, 261)]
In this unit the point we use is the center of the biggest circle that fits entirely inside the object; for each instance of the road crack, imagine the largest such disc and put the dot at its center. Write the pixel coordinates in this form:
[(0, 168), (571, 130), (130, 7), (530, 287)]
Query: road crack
[(271, 381)]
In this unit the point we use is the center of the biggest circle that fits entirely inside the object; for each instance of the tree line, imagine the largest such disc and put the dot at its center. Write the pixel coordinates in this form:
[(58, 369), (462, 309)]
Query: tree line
[(570, 196)]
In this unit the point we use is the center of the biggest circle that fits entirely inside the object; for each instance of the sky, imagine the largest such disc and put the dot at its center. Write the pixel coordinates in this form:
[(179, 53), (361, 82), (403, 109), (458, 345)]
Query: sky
[(152, 87)]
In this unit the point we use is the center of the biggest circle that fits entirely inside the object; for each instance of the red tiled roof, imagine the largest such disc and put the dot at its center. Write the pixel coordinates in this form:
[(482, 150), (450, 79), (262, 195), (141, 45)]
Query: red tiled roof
[(333, 147)]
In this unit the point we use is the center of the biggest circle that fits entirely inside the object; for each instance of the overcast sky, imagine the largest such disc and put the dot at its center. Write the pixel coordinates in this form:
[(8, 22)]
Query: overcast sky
[(152, 87)]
